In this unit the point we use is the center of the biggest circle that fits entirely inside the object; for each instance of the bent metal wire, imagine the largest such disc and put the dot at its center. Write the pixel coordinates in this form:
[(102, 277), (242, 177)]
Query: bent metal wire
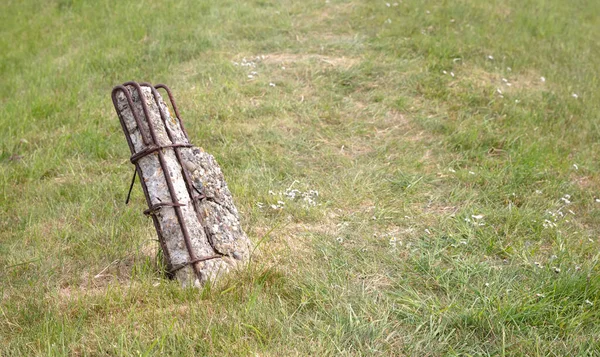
[(151, 146)]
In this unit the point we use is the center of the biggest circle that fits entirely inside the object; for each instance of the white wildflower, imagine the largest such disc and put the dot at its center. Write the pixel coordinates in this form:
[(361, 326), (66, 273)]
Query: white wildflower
[(574, 95), (491, 58), (308, 197), (543, 79), (271, 84), (478, 216)]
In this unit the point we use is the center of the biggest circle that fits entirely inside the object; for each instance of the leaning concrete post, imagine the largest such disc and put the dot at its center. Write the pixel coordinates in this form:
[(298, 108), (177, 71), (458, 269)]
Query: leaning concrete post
[(198, 225)]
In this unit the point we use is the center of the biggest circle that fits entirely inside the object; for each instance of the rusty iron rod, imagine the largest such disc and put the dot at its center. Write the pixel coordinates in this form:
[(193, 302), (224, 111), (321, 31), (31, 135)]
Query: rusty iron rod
[(150, 148), (137, 167), (161, 159), (187, 179)]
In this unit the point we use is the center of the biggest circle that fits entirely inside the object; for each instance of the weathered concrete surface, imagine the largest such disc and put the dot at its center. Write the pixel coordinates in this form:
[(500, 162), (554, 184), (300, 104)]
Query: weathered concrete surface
[(213, 223)]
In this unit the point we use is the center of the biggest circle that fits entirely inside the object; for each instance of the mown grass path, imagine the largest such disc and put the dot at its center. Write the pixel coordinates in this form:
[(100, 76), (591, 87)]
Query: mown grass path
[(421, 177)]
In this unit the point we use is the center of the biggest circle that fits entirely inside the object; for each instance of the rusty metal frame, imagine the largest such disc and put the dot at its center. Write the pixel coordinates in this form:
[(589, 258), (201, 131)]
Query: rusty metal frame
[(151, 146)]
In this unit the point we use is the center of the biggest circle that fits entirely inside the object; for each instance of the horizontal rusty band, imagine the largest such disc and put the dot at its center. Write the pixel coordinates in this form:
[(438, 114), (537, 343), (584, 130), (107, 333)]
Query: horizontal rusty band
[(201, 196), (197, 260), (154, 148), (158, 206)]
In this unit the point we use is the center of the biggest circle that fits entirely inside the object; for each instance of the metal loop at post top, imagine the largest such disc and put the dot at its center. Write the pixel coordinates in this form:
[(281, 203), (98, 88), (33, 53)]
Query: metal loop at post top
[(129, 99), (174, 105)]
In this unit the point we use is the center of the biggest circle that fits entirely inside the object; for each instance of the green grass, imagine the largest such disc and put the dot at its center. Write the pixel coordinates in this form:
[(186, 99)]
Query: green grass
[(400, 116)]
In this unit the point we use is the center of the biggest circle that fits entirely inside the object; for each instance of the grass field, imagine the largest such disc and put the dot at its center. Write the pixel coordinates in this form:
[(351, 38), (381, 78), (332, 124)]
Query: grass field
[(452, 145)]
